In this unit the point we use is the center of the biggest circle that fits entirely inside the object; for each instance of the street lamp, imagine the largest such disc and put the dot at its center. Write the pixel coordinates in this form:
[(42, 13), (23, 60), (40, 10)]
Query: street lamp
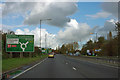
[(50, 39), (96, 35), (40, 28), (45, 40)]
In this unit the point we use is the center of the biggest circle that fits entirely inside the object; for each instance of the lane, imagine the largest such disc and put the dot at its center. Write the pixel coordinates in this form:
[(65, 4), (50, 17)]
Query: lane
[(92, 70), (52, 68), (66, 67)]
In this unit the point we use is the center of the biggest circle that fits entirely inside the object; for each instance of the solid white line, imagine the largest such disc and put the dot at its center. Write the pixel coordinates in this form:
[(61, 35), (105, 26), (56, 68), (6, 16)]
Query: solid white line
[(29, 68), (74, 68)]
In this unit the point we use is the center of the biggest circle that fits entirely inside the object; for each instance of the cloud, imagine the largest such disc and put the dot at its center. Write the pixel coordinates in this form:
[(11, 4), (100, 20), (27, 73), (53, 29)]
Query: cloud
[(41, 0), (81, 31), (108, 26), (111, 7), (51, 41), (61, 0), (75, 32), (101, 14), (16, 8), (6, 28), (34, 11)]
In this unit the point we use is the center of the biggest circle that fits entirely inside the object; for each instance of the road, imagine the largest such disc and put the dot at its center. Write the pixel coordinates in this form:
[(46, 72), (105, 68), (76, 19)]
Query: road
[(66, 67)]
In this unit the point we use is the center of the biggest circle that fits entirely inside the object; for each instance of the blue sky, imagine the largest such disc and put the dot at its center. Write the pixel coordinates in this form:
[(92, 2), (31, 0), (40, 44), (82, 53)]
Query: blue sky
[(89, 8)]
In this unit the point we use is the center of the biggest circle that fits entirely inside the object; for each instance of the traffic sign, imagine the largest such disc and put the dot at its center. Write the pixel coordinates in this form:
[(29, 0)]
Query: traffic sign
[(19, 43)]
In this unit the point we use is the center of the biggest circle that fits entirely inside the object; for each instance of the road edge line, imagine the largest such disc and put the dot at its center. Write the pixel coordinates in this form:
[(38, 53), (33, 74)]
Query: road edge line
[(28, 69)]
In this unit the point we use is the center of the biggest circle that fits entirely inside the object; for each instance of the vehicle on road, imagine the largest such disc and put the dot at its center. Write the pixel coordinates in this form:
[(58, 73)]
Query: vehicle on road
[(51, 55), (77, 54), (70, 54)]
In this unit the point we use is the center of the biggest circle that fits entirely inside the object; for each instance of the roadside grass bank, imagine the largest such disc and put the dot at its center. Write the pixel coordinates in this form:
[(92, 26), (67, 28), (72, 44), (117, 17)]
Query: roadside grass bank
[(12, 63)]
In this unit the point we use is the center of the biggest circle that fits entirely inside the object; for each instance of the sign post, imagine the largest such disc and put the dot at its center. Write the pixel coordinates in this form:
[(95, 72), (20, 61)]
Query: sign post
[(21, 54), (10, 54)]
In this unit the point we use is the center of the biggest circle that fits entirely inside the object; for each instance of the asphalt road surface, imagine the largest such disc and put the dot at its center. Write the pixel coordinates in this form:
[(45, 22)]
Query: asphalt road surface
[(66, 67)]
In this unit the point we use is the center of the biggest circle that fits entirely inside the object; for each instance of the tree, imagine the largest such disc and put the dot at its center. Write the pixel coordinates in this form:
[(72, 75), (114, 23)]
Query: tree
[(90, 44), (4, 54), (75, 45), (111, 46), (63, 49), (118, 34), (100, 42)]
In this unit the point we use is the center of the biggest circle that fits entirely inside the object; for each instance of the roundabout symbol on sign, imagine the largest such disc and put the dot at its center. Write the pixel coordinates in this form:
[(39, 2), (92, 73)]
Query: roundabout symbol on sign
[(23, 44)]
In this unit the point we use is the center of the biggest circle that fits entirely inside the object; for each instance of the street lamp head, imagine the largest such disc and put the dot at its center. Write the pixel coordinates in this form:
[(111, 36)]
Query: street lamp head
[(44, 19), (49, 19), (91, 33)]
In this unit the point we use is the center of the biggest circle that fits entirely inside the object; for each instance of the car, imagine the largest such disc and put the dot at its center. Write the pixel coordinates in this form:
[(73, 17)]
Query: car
[(51, 55), (70, 54), (77, 54)]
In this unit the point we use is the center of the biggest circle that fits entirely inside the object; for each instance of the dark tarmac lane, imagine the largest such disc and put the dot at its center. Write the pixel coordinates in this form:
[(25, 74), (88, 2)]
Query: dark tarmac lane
[(65, 67)]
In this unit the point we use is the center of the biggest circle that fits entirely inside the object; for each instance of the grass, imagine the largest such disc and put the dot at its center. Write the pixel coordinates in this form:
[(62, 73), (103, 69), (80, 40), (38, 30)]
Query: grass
[(11, 63)]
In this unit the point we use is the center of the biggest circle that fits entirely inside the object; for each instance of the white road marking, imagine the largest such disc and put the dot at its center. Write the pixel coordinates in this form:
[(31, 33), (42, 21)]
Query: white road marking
[(74, 68), (66, 63), (29, 68)]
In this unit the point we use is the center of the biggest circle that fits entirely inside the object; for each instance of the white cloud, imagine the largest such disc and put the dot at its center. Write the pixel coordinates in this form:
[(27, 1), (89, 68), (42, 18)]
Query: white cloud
[(101, 14), (75, 32), (16, 8), (111, 7), (51, 41), (5, 28), (43, 0), (108, 26), (81, 31), (61, 0), (34, 11)]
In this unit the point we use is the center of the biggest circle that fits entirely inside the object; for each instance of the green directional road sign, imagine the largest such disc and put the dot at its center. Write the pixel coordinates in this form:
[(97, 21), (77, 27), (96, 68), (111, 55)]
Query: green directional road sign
[(19, 43)]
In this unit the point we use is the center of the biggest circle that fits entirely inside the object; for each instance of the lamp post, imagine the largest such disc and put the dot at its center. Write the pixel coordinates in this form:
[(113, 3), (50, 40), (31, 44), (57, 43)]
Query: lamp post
[(96, 35), (40, 29), (50, 39), (45, 40)]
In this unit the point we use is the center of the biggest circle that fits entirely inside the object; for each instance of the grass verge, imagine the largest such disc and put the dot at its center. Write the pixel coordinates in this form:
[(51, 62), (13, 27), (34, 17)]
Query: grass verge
[(11, 63)]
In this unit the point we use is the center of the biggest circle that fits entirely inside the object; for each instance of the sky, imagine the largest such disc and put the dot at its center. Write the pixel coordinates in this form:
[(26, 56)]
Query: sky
[(70, 21)]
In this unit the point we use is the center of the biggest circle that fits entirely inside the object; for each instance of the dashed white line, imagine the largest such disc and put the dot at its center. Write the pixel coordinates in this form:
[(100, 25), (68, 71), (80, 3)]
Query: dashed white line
[(74, 68), (28, 69), (66, 63)]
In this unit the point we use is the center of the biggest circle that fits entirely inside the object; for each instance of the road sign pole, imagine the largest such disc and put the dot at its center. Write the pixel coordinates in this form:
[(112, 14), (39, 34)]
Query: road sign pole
[(21, 54), (30, 54), (11, 55)]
